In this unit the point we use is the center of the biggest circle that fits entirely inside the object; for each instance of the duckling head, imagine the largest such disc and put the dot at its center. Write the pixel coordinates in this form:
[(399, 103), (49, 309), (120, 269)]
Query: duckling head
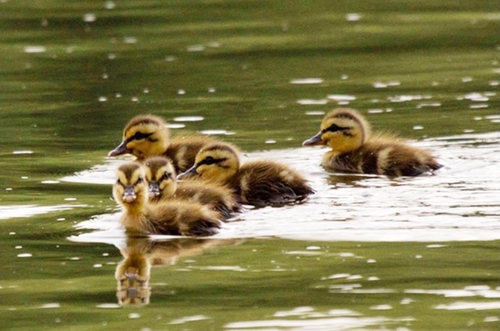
[(143, 136), (216, 163), (342, 129), (130, 188), (160, 175)]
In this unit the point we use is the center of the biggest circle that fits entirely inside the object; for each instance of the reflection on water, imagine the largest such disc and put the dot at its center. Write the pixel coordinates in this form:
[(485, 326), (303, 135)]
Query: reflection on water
[(132, 275), (396, 287), (140, 253)]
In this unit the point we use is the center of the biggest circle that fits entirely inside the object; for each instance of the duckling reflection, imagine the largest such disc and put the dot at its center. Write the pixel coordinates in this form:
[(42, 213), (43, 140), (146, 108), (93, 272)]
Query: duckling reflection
[(141, 253), (346, 179), (132, 275)]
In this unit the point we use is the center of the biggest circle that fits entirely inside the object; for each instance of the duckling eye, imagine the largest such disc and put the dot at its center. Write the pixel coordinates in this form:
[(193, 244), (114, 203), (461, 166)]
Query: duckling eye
[(165, 176), (209, 160), (140, 135), (118, 182), (139, 180), (333, 128)]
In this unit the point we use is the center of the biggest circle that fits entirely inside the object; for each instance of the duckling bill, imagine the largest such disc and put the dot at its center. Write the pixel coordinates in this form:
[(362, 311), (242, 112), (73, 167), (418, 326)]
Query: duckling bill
[(355, 150)]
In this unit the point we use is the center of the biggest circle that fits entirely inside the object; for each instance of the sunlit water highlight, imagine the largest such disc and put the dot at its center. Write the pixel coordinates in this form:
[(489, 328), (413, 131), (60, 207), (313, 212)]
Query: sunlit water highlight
[(306, 318), (460, 202), (22, 211)]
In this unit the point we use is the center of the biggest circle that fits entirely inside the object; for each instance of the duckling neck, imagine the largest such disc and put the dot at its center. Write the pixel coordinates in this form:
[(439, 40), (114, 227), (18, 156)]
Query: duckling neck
[(161, 145), (331, 155), (169, 190), (340, 147), (134, 216), (134, 208)]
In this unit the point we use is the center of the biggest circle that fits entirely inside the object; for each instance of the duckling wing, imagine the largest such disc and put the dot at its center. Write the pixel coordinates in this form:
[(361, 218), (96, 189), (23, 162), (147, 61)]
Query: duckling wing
[(201, 228), (183, 218), (269, 183), (220, 199), (167, 228), (275, 195), (414, 168), (382, 157), (401, 159)]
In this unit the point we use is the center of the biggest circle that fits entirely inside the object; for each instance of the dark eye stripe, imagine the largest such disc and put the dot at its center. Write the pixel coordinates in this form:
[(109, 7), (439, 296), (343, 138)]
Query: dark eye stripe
[(210, 160), (139, 135), (334, 128)]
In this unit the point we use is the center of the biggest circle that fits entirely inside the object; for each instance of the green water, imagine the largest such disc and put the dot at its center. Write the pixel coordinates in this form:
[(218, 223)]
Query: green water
[(73, 72)]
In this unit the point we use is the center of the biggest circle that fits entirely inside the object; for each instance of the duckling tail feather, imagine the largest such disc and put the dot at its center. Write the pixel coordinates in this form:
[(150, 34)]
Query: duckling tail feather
[(202, 228)]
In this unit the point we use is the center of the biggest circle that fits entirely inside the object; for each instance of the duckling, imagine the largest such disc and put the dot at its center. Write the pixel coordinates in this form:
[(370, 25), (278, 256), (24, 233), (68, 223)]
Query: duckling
[(173, 217), (161, 177), (355, 150), (257, 183), (147, 135)]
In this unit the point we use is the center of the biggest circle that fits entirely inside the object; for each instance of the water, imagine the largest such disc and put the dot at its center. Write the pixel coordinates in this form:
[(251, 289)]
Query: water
[(363, 253), (459, 202)]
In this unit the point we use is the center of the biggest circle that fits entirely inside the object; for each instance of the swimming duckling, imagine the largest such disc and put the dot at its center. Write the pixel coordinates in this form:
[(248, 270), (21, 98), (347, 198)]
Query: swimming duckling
[(173, 217), (147, 135), (355, 150), (257, 183), (161, 177)]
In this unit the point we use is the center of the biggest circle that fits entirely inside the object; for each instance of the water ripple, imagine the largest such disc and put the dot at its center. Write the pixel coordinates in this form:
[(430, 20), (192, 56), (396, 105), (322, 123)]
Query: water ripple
[(460, 202)]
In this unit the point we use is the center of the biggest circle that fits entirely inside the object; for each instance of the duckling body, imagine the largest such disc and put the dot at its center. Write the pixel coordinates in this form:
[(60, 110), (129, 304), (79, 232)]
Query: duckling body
[(147, 135), (163, 186), (257, 183), (355, 150), (173, 217)]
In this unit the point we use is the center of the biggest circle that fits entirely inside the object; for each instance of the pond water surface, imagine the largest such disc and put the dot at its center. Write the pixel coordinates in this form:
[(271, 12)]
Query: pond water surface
[(363, 253)]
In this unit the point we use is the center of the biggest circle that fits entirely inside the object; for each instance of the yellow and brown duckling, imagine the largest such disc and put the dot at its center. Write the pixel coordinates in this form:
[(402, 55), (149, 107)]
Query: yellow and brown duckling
[(163, 186), (148, 135), (257, 183), (172, 217), (355, 150)]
